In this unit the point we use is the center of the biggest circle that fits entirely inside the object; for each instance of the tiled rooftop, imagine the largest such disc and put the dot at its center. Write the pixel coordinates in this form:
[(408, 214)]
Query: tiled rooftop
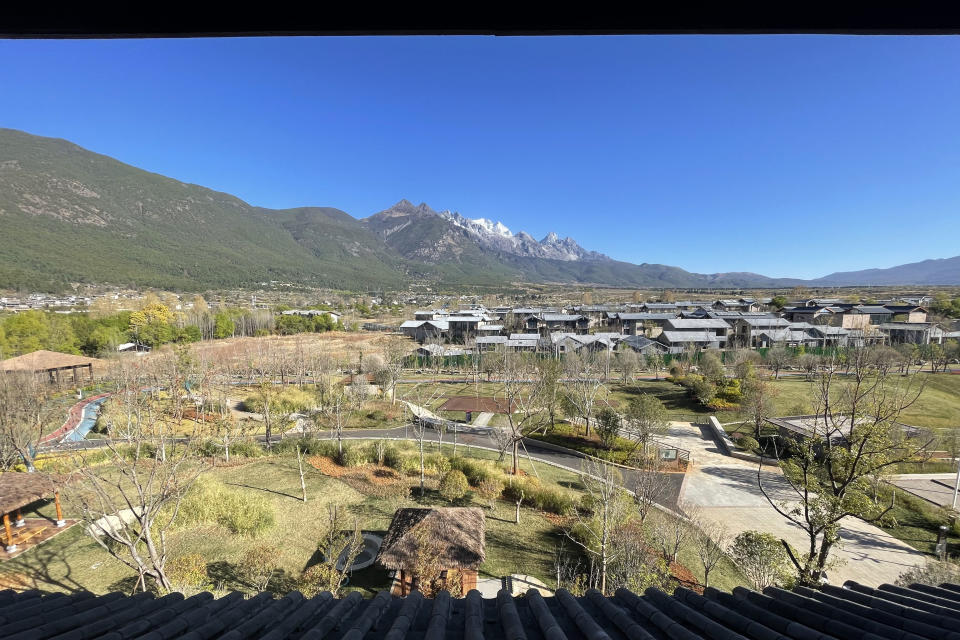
[(853, 612)]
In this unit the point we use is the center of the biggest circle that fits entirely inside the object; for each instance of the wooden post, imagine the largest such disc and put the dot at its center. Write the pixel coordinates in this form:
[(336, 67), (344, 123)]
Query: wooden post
[(403, 583), (19, 521), (56, 500), (9, 531)]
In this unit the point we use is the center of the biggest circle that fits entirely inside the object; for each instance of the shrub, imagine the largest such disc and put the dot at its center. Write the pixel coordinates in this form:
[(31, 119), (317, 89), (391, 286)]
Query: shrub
[(409, 464), (554, 501), (354, 456), (453, 485), (437, 462), (246, 449), (189, 570), (762, 558), (490, 489), (933, 573), (719, 404), (258, 566), (477, 471), (747, 443), (212, 502), (515, 489), (393, 457)]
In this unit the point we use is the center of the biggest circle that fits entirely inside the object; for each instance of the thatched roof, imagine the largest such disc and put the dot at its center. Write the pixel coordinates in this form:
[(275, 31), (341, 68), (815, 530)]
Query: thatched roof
[(45, 360), (20, 489), (477, 404), (459, 530)]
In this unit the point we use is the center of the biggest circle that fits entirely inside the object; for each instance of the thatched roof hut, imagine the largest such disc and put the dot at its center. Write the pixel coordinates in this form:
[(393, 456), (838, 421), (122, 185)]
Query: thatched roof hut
[(459, 531), (20, 489)]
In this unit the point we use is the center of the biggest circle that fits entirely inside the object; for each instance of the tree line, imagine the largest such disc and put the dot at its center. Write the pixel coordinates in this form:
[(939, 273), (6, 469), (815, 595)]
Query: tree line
[(154, 325)]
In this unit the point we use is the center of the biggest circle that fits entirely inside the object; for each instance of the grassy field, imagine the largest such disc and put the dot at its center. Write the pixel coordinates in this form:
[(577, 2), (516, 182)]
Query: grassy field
[(73, 561), (680, 406), (937, 407)]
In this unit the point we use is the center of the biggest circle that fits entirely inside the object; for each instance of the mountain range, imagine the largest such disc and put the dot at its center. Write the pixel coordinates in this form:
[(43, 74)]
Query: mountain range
[(71, 215)]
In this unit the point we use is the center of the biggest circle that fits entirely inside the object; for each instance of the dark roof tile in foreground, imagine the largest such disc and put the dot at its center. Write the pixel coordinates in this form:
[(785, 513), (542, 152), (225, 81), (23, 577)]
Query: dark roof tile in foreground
[(854, 612)]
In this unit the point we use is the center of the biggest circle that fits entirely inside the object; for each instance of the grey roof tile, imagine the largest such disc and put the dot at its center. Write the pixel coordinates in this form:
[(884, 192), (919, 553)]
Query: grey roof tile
[(854, 612)]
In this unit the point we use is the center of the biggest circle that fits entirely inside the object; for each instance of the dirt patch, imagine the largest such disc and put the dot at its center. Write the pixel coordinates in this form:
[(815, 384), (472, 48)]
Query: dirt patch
[(685, 577), (556, 519), (15, 581)]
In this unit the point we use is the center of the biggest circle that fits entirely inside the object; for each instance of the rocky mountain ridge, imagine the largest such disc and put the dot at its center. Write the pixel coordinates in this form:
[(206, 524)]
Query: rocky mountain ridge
[(70, 215)]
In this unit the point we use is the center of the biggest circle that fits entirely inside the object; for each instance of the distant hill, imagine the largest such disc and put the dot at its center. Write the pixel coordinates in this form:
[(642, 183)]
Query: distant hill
[(943, 271), (71, 215)]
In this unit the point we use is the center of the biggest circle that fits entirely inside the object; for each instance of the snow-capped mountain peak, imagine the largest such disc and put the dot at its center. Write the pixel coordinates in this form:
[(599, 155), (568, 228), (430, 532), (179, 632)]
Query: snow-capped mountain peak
[(496, 235), (497, 228)]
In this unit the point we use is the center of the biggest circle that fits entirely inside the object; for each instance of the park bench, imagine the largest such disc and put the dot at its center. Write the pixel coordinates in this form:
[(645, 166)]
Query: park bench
[(21, 536)]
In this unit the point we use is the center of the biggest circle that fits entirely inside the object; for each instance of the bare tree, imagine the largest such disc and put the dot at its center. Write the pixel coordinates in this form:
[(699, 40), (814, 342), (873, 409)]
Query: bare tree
[(710, 539), (585, 388), (627, 361), (777, 358), (758, 403), (336, 413), (655, 361), (133, 499), (549, 372), (854, 434), (670, 533), (303, 483), (341, 541), (649, 488), (421, 397), (23, 412), (227, 429), (521, 400), (395, 353), (609, 504)]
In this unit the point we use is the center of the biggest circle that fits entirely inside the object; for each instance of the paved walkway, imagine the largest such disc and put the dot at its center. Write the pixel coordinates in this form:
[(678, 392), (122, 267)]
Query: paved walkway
[(483, 419), (934, 487), (725, 491)]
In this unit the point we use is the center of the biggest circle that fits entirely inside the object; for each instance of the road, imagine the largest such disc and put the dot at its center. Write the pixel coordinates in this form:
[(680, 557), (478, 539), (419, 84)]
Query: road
[(725, 491)]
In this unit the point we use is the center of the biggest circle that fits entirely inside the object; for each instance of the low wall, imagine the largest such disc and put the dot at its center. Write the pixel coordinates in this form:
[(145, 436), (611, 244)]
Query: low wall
[(727, 445)]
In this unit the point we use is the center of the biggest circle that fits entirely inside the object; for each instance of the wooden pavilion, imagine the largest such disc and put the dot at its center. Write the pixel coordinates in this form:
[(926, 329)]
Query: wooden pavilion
[(57, 368), (455, 534), (18, 490)]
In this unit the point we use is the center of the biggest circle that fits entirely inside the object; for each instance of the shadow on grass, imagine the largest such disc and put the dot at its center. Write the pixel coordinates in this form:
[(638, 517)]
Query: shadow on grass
[(38, 566), (279, 493), (371, 580)]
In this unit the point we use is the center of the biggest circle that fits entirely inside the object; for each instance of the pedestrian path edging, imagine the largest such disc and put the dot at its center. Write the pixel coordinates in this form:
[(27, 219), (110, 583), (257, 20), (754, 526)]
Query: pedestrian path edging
[(728, 447)]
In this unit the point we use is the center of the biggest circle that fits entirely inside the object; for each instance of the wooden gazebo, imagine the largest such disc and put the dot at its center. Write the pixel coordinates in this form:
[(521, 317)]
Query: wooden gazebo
[(54, 367), (17, 490), (456, 533)]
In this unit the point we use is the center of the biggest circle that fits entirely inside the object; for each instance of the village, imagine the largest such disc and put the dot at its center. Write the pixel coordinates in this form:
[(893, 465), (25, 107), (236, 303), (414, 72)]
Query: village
[(676, 327)]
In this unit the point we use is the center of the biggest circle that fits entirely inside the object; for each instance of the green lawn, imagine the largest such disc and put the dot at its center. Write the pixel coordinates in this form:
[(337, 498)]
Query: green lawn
[(679, 404), (937, 407)]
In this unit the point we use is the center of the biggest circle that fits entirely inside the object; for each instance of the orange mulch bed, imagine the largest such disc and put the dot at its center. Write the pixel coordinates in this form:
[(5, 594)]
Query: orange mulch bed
[(685, 577), (372, 473)]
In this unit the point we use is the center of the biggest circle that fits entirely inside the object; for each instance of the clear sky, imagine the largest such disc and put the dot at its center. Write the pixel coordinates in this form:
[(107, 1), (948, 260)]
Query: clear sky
[(787, 156)]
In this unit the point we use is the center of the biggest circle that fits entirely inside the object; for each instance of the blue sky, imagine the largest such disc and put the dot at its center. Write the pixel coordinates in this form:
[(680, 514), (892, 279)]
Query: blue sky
[(787, 156)]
